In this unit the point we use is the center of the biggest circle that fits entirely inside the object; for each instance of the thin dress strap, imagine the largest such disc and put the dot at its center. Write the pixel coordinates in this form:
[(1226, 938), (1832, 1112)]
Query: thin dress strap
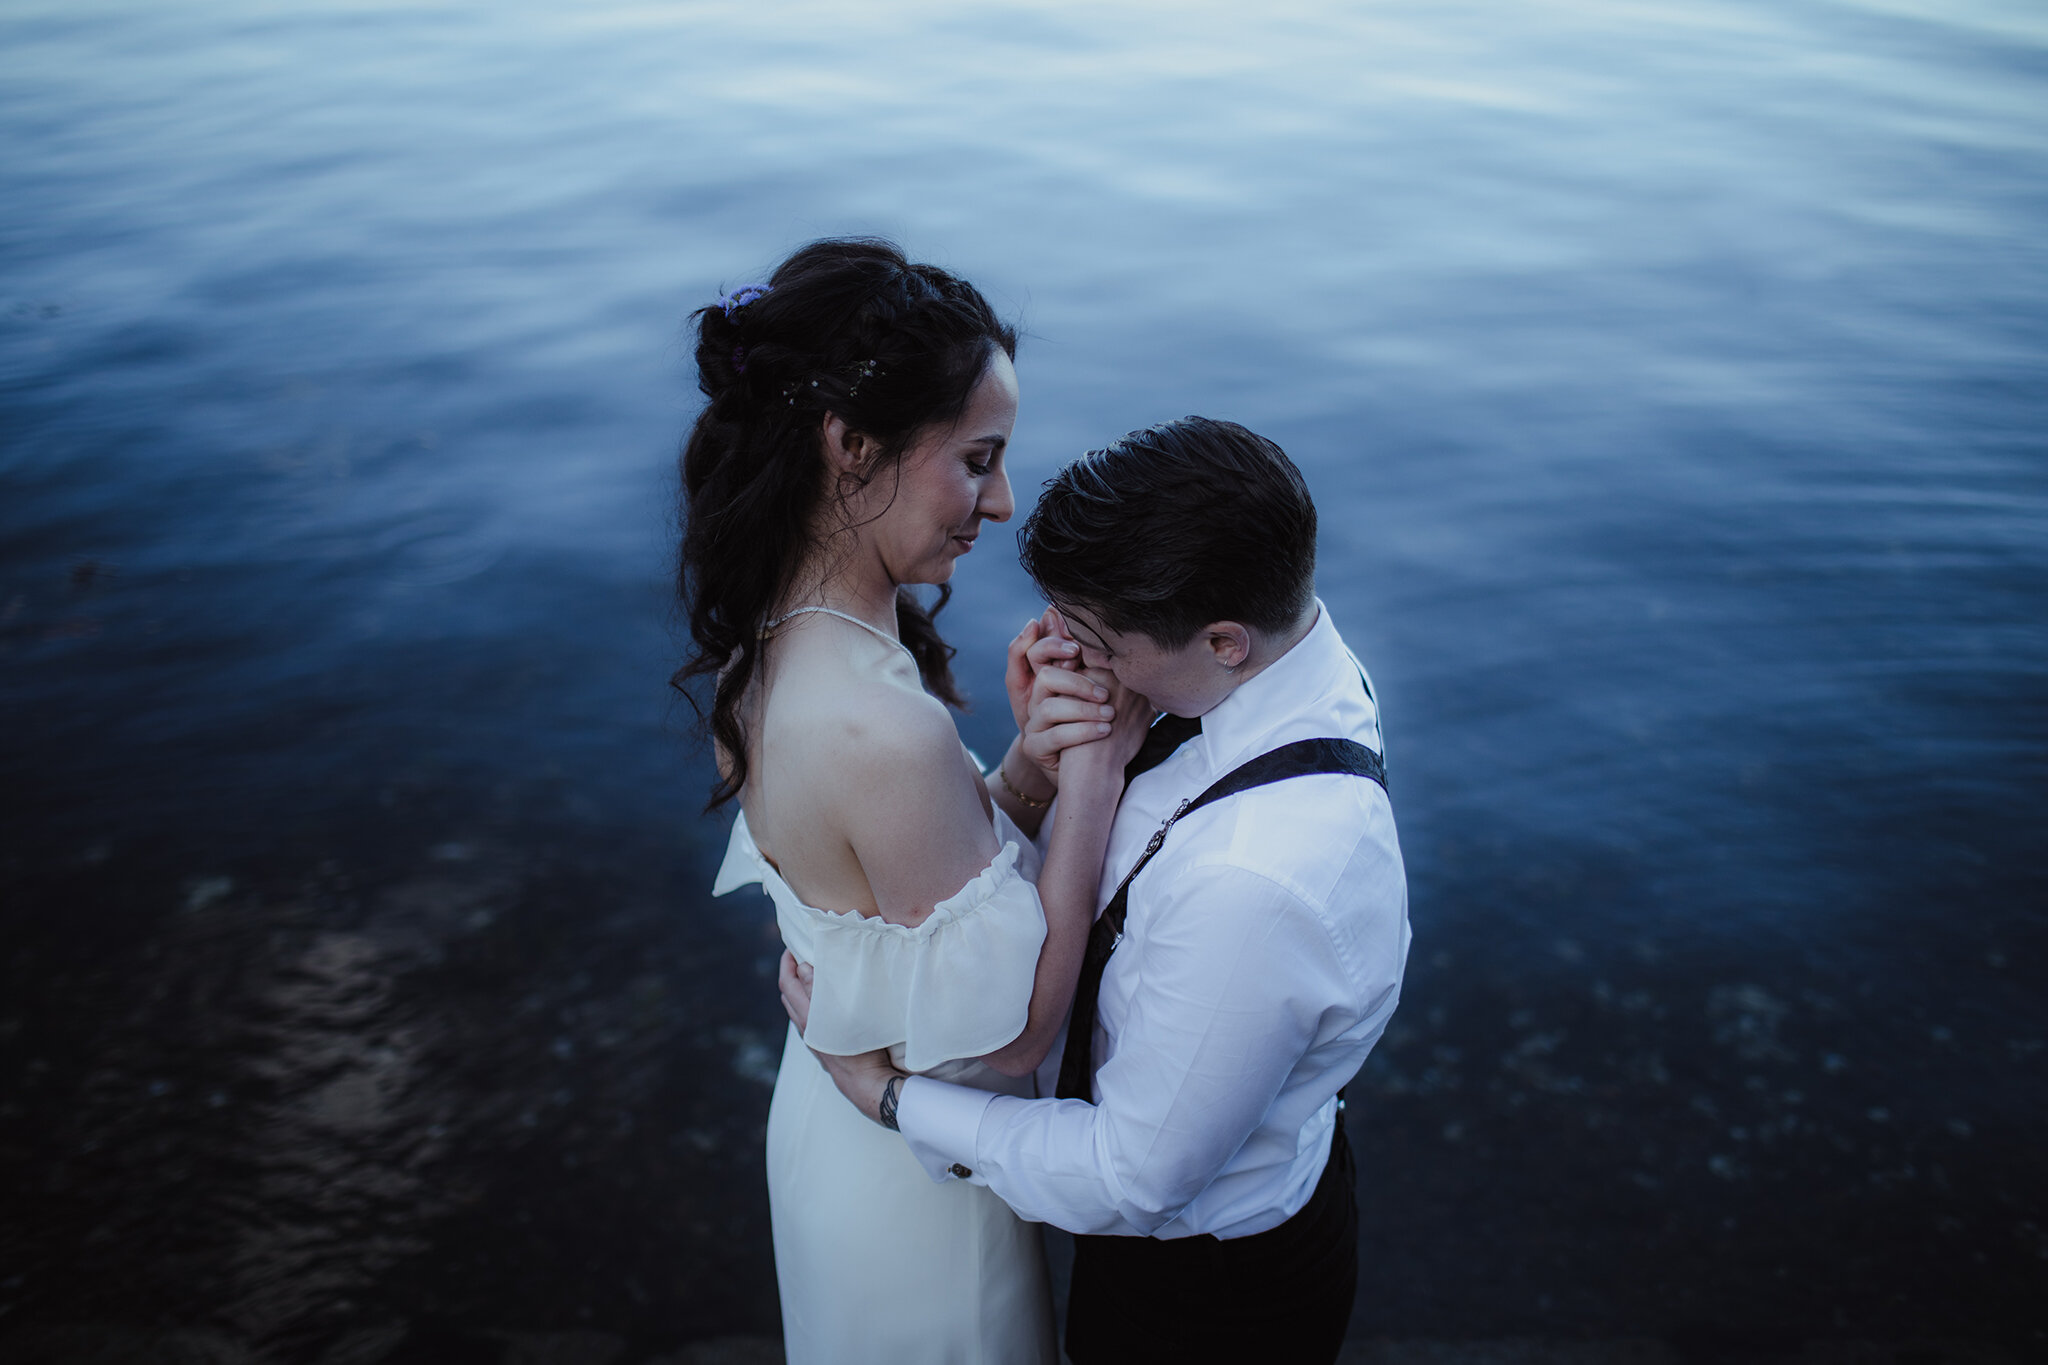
[(787, 616), (842, 615)]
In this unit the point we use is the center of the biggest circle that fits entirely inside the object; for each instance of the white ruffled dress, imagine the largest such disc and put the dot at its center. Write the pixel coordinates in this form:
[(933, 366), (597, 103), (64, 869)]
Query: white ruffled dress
[(875, 1262)]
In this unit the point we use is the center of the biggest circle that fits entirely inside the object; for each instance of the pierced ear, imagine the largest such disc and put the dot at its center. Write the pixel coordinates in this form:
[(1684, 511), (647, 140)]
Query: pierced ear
[(1230, 643)]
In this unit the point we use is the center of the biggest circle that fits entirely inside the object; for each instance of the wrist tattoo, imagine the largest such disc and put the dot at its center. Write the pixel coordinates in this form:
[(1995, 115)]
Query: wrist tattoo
[(889, 1104)]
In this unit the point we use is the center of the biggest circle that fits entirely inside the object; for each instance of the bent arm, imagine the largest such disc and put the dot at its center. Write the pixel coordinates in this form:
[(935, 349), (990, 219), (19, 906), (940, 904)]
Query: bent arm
[(1240, 984), (1068, 710), (1066, 891), (920, 835), (1091, 783)]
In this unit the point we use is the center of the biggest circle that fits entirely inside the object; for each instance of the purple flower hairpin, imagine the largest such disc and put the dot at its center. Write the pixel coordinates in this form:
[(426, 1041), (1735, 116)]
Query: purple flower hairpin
[(741, 297)]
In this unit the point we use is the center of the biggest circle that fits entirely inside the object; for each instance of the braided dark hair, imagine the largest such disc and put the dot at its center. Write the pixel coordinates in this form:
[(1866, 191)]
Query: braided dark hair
[(847, 326)]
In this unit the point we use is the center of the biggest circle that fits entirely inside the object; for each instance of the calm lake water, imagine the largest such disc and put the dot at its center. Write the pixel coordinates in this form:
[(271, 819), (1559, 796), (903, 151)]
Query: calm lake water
[(1673, 380)]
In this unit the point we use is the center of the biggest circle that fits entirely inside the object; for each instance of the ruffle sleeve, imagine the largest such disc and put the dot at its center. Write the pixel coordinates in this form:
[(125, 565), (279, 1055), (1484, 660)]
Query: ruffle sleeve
[(957, 985)]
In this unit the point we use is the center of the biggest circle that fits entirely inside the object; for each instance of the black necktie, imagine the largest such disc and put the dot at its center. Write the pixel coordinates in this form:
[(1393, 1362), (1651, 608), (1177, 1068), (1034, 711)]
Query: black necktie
[(1167, 734)]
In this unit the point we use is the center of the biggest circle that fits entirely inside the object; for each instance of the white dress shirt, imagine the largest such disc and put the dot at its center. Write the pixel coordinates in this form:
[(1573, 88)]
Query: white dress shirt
[(1261, 959)]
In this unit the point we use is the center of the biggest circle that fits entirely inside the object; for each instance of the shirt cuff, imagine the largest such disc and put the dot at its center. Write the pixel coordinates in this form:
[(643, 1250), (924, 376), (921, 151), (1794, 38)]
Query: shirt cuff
[(941, 1123)]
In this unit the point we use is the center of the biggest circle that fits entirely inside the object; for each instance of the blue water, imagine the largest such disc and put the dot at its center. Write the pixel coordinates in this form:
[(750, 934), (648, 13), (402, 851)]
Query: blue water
[(1673, 381)]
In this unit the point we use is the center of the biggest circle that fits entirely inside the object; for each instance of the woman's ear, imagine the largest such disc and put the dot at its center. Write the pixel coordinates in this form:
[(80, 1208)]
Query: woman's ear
[(847, 451)]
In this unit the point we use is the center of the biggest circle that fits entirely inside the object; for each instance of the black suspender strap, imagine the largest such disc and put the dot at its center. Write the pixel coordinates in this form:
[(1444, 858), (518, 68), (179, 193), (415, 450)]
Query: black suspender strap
[(1302, 758)]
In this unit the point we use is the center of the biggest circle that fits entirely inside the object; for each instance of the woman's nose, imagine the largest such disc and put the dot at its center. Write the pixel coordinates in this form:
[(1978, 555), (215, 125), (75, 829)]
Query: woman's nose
[(997, 502)]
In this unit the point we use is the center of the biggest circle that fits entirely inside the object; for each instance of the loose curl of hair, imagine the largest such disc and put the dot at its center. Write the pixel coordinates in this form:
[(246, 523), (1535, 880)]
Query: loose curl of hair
[(848, 326)]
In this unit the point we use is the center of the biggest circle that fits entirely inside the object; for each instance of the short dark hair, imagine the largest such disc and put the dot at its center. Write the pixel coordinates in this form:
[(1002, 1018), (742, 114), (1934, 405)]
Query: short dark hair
[(1176, 526)]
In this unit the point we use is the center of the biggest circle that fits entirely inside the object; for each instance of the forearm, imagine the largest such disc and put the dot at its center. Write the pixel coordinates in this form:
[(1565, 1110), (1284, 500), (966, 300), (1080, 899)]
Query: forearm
[(1066, 887), (1019, 786), (1050, 1160), (869, 1081), (1240, 981)]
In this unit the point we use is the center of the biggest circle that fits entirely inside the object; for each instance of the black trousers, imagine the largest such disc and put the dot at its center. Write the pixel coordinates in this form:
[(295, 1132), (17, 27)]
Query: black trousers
[(1281, 1295)]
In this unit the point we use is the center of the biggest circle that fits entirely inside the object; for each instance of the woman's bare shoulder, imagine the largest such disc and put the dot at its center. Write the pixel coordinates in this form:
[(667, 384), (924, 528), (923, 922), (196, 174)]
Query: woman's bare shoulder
[(858, 705), (875, 761)]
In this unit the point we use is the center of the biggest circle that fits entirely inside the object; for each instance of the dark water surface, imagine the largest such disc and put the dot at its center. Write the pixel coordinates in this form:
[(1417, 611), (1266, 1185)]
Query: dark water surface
[(1671, 378)]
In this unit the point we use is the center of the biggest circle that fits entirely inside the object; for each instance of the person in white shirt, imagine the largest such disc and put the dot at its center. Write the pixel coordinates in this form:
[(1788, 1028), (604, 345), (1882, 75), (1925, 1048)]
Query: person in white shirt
[(1191, 1133)]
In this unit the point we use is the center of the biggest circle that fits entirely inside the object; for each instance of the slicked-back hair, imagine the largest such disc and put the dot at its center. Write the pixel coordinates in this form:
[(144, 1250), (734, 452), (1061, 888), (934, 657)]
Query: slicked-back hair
[(1174, 527)]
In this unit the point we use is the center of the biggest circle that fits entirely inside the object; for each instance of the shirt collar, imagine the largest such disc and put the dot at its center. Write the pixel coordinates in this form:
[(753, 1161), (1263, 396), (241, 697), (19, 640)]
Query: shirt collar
[(1297, 681)]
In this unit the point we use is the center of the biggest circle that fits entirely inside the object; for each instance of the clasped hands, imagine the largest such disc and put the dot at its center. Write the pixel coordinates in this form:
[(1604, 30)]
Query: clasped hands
[(1061, 705), (1063, 709)]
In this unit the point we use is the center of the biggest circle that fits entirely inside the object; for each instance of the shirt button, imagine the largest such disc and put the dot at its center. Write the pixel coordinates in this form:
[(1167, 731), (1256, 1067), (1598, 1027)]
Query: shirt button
[(957, 1169)]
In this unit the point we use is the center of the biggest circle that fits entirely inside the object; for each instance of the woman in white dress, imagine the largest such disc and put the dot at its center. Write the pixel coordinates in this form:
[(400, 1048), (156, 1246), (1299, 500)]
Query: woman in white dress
[(853, 444)]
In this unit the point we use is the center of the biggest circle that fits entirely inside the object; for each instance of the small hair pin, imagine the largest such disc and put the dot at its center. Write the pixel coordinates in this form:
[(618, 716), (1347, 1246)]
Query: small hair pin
[(862, 372), (741, 297), (739, 360)]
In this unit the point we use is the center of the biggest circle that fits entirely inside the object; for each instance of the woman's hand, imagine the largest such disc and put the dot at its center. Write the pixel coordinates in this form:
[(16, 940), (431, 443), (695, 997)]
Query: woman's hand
[(793, 979), (1069, 707), (1043, 643), (1132, 715)]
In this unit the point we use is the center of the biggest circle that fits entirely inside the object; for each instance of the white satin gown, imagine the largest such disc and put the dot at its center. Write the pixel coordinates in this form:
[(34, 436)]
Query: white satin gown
[(875, 1262)]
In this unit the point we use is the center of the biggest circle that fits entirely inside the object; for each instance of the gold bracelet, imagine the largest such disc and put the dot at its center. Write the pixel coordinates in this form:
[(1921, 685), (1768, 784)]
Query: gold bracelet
[(1030, 803)]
